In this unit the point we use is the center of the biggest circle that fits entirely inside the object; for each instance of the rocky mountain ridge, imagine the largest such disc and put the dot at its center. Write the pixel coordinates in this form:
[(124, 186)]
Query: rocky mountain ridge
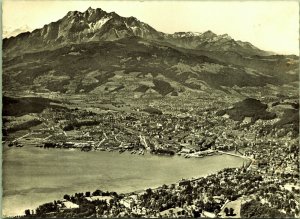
[(103, 53), (99, 25)]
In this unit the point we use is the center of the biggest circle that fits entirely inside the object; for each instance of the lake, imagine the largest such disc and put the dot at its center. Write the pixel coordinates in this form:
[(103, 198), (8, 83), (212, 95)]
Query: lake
[(32, 176)]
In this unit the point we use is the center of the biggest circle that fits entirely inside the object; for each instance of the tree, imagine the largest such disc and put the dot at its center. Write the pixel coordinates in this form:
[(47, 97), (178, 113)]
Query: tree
[(226, 210), (231, 210), (27, 212), (67, 197), (210, 199), (97, 193), (216, 211), (149, 191), (196, 214), (87, 194), (111, 202)]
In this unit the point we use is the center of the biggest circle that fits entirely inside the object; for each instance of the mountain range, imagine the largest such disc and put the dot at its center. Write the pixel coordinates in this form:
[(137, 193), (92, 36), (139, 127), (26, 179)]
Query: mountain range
[(95, 51), (98, 25)]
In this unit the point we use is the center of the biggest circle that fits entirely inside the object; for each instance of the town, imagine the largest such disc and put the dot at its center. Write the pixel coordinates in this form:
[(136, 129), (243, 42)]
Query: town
[(266, 184), (240, 192)]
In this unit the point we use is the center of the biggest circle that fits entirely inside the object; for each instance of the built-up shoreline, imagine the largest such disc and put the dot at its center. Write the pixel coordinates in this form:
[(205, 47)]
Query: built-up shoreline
[(18, 154)]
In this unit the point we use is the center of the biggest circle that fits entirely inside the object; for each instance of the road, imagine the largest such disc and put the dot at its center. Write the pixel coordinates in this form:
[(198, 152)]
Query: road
[(143, 139), (105, 138), (21, 137), (47, 137), (237, 155)]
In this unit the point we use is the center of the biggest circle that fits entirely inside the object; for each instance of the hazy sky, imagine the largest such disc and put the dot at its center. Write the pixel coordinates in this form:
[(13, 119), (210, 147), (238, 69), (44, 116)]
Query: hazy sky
[(269, 25)]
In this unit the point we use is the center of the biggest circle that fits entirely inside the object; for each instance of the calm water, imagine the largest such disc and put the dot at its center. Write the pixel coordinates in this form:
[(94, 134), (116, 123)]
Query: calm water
[(33, 176)]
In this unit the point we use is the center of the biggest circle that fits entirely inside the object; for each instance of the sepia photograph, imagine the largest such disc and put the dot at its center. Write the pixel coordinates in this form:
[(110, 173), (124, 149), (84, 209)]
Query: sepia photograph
[(150, 109)]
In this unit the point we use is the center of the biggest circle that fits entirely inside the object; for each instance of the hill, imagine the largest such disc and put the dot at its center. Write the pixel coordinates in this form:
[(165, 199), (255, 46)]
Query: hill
[(289, 118), (25, 105), (249, 107)]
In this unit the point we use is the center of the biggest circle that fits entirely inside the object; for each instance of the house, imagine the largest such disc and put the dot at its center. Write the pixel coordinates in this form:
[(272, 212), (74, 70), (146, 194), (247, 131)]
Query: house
[(175, 212), (129, 202), (218, 199), (69, 205), (208, 214), (100, 198), (186, 150)]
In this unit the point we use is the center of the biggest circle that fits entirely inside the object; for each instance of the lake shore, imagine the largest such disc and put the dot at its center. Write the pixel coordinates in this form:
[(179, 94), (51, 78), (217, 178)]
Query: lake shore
[(49, 174)]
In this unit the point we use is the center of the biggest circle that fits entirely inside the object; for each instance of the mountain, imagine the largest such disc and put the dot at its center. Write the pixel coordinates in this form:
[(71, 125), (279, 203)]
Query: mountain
[(78, 27), (130, 65), (98, 25), (209, 41), (103, 53)]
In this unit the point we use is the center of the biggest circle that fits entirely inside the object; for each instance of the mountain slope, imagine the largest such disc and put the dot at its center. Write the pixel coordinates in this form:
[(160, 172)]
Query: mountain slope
[(125, 65)]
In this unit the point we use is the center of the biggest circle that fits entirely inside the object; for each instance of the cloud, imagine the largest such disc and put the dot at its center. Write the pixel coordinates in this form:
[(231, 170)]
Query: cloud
[(10, 31)]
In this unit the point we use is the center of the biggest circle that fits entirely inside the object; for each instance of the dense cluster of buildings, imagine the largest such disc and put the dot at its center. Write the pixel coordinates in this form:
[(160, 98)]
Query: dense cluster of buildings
[(270, 178), (202, 197)]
